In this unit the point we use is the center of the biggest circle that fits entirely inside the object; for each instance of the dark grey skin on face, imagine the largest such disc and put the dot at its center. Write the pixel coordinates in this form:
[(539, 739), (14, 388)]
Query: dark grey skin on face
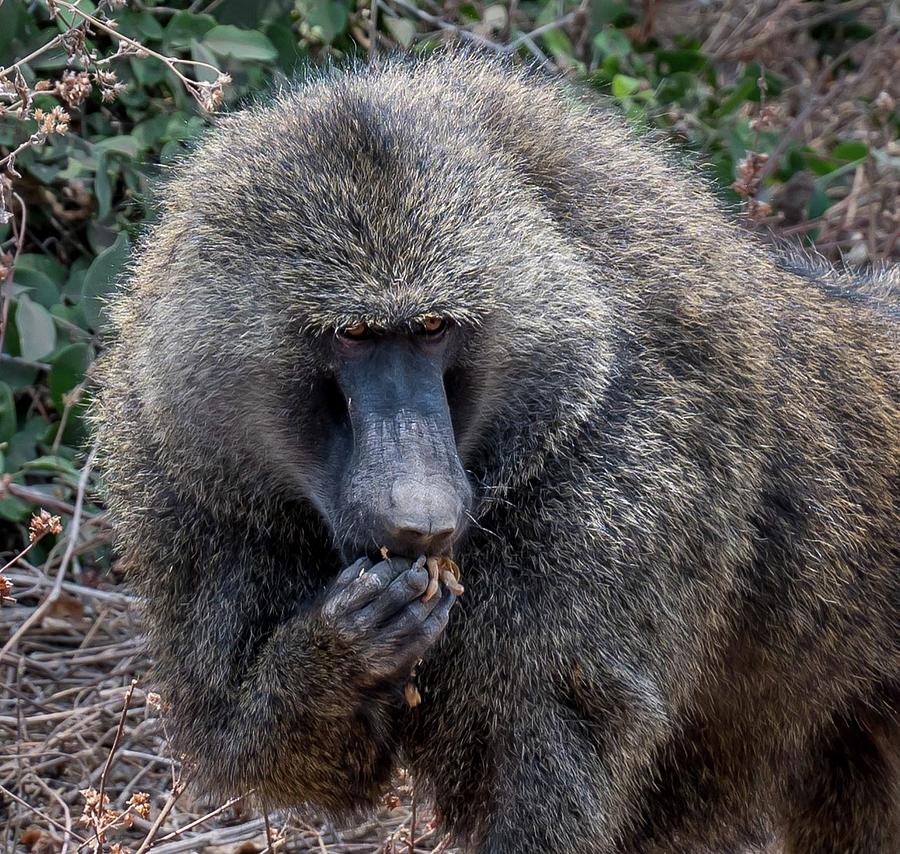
[(398, 488), (400, 484)]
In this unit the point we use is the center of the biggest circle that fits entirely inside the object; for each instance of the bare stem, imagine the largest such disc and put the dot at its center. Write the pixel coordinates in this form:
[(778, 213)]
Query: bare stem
[(198, 89)]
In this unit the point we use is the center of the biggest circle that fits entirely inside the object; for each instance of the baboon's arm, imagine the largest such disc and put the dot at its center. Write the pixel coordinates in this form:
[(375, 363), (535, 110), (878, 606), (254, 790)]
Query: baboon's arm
[(585, 729), (301, 710)]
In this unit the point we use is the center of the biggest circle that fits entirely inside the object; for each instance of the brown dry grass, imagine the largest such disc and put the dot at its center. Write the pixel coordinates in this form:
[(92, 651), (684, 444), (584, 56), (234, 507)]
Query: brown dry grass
[(63, 699)]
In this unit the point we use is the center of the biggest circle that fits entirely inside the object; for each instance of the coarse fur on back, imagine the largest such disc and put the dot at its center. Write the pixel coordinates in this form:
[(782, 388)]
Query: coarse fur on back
[(681, 624)]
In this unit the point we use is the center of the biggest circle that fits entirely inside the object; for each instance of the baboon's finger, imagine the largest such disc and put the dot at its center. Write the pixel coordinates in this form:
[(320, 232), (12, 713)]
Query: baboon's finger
[(405, 587), (352, 572)]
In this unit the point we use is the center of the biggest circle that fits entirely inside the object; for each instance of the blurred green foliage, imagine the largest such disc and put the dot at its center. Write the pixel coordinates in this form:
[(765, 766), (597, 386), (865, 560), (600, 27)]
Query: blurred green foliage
[(87, 192), (710, 109)]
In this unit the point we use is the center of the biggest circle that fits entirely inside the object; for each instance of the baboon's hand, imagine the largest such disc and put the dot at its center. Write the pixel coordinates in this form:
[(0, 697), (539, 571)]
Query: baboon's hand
[(379, 608)]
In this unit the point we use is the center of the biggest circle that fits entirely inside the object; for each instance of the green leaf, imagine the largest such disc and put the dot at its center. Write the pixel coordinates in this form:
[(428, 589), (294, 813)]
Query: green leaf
[(14, 509), (184, 26), (52, 60), (23, 446), (148, 71), (852, 149), (52, 465), (101, 278), (140, 25), (40, 287), (171, 153), (80, 166), (13, 290), (37, 332), (228, 40), (559, 44), (676, 87), (7, 413), (73, 314), (17, 376), (74, 283), (16, 21), (612, 42), (42, 263), (793, 160), (623, 86), (66, 452), (120, 144), (858, 31), (818, 203), (69, 366), (605, 12), (329, 17), (671, 61), (774, 82), (200, 53), (65, 19), (742, 93), (46, 173), (402, 29), (290, 53), (183, 127), (103, 188), (821, 165), (75, 430)]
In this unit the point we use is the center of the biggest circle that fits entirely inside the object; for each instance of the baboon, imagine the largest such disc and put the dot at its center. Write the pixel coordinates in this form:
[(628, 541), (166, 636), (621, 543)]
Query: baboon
[(445, 306)]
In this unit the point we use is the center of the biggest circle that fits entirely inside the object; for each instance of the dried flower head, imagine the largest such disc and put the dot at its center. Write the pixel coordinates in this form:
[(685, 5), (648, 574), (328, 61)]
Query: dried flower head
[(5, 590), (766, 118), (110, 93), (140, 803), (211, 95), (757, 210), (43, 523), (885, 104), (56, 121), (749, 174), (74, 87), (73, 42), (95, 807), (109, 84), (105, 77)]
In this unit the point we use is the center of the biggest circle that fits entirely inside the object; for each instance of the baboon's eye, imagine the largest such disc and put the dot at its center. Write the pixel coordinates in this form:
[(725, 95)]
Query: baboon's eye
[(357, 332), (432, 325)]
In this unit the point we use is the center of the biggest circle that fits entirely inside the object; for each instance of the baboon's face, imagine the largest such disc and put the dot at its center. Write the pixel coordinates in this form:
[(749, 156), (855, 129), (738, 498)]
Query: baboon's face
[(391, 471), (395, 310)]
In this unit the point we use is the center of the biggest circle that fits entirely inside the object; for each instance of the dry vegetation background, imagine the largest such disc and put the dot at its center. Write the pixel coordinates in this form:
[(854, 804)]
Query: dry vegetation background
[(790, 107)]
